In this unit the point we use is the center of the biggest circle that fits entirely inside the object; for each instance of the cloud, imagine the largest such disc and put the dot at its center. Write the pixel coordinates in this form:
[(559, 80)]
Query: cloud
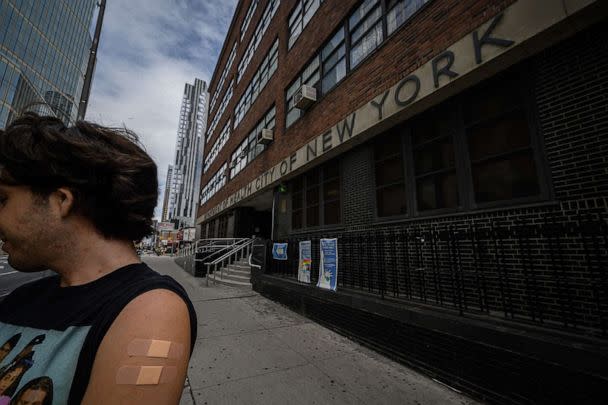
[(148, 50)]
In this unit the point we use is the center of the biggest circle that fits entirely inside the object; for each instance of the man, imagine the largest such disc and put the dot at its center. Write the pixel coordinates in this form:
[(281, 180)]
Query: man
[(73, 200)]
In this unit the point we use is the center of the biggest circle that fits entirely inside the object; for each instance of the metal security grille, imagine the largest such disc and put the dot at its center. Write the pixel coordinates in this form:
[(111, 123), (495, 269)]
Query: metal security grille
[(544, 270)]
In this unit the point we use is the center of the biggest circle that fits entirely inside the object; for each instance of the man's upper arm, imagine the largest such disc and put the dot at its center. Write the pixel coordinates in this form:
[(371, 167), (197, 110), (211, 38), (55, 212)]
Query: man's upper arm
[(159, 315)]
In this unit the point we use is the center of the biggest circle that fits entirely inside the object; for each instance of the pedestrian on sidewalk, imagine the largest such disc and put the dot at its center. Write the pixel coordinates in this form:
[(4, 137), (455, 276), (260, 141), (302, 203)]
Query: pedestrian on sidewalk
[(73, 200)]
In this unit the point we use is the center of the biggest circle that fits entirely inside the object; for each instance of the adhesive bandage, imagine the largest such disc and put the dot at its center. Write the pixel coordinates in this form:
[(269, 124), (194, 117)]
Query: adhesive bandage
[(163, 349), (145, 375)]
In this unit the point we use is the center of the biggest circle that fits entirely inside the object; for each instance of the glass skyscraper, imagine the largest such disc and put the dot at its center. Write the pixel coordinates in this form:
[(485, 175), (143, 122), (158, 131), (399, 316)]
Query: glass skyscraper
[(187, 168), (44, 54)]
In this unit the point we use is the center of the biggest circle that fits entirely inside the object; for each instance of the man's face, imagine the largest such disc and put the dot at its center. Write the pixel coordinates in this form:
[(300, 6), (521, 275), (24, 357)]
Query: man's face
[(32, 397), (27, 228)]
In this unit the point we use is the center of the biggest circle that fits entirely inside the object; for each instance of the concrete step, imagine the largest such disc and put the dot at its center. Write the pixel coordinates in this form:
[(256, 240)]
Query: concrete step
[(240, 266), (230, 275), (228, 282), (244, 273)]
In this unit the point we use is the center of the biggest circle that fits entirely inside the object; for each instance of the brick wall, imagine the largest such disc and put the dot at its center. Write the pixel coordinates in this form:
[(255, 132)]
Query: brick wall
[(543, 264), (493, 276), (432, 30), (572, 98)]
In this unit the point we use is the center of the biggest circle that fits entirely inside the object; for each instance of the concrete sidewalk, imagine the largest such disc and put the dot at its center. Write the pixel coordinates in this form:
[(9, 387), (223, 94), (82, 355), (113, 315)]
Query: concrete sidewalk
[(251, 350)]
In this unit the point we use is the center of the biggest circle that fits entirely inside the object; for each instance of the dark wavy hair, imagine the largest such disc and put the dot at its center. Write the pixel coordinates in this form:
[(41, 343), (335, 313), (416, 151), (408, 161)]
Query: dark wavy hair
[(113, 179)]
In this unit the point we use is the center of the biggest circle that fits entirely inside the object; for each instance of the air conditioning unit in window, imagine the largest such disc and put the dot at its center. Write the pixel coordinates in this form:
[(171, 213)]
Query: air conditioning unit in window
[(232, 165), (305, 97), (265, 136)]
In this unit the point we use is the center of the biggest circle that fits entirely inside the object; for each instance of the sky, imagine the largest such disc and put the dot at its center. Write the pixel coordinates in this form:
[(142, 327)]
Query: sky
[(148, 50)]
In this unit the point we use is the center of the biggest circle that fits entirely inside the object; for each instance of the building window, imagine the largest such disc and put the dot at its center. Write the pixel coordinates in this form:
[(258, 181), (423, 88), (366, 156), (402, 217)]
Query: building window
[(222, 226), (220, 84), (214, 184), (475, 151), (249, 149), (310, 76), (315, 197), (434, 164), (366, 33), (312, 198), (260, 30), (365, 26), (333, 58), (400, 11), (390, 176), (248, 17), (299, 18), (297, 208), (258, 82), (220, 110), (217, 146), (500, 145), (331, 193)]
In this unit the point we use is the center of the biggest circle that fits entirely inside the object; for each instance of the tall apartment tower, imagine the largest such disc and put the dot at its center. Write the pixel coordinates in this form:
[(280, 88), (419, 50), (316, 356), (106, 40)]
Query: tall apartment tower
[(187, 167), (166, 198), (47, 54)]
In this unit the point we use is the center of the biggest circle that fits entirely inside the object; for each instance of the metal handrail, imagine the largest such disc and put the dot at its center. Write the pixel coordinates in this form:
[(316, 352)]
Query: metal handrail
[(220, 252), (239, 245), (257, 266), (214, 244), (236, 251)]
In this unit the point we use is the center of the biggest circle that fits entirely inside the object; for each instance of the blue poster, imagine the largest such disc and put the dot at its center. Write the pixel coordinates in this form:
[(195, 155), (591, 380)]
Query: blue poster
[(279, 251), (328, 267), (305, 262)]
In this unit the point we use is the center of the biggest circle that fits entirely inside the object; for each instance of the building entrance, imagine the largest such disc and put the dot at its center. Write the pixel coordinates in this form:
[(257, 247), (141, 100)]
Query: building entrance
[(249, 222)]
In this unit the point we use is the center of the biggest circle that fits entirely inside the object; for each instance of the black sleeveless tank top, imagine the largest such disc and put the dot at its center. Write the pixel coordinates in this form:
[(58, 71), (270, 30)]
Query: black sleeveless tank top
[(49, 335)]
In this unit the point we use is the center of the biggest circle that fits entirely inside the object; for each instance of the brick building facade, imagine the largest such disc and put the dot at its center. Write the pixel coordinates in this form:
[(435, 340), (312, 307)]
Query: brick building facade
[(458, 152)]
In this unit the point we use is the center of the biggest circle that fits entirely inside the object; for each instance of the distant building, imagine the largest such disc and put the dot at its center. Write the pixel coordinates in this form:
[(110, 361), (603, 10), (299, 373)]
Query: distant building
[(167, 195), (44, 56), (453, 152), (187, 167)]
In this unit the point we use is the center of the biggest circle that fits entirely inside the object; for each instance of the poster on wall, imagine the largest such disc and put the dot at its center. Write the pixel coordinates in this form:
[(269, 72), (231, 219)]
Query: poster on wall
[(305, 262), (189, 234), (328, 267), (279, 251)]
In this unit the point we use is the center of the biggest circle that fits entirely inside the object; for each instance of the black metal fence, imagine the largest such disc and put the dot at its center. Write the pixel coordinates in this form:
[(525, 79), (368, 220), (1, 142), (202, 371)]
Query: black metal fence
[(540, 270)]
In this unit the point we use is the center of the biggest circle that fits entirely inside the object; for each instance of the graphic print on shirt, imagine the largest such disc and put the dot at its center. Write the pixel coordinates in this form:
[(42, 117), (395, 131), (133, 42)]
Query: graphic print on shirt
[(37, 366)]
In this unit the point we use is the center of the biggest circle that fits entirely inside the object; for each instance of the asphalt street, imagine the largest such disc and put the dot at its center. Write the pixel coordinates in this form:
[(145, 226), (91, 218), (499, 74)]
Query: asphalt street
[(251, 350)]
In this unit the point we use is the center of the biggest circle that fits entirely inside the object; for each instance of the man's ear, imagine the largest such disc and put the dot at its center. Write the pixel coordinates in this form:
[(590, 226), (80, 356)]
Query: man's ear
[(64, 200)]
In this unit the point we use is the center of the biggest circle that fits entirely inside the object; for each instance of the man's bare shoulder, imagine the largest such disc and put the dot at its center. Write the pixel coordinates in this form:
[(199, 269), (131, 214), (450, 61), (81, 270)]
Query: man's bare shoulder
[(156, 315)]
